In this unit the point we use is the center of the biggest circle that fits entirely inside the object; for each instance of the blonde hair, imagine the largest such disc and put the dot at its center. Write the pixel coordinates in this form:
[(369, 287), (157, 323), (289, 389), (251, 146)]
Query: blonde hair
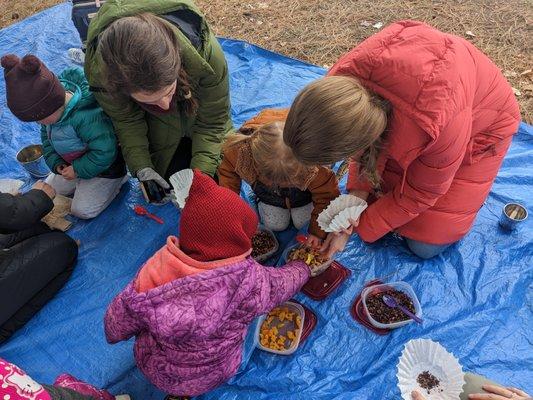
[(274, 161), (335, 118)]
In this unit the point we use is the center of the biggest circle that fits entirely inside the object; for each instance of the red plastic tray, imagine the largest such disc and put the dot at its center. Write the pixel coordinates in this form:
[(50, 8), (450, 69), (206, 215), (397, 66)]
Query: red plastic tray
[(309, 322), (321, 286), (358, 313)]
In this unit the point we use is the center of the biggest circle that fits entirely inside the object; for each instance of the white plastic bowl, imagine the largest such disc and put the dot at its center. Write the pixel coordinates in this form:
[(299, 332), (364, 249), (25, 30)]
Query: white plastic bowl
[(266, 256), (296, 342), (400, 286), (317, 270)]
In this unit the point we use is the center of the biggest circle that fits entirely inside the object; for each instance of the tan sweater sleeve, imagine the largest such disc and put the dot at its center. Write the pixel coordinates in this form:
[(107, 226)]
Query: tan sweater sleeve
[(324, 188)]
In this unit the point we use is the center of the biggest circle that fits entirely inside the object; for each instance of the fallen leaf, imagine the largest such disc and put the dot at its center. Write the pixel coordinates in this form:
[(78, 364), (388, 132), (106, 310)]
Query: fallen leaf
[(15, 16), (517, 92), (470, 33), (378, 25)]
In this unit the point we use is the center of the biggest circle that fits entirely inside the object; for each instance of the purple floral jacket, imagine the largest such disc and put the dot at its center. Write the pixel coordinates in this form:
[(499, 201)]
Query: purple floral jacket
[(190, 332)]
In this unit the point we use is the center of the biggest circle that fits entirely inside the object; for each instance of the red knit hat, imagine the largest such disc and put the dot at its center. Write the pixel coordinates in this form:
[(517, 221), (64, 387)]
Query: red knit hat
[(33, 92), (215, 223)]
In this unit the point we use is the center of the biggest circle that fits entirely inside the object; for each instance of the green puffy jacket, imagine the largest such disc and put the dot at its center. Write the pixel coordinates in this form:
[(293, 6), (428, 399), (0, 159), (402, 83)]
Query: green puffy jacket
[(149, 140), (84, 135)]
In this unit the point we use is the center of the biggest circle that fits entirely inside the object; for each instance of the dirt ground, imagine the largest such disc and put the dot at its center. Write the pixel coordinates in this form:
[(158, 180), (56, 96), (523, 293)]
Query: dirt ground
[(320, 31)]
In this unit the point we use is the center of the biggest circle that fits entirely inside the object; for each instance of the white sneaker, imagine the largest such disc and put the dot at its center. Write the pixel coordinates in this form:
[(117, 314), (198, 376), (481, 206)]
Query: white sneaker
[(76, 55)]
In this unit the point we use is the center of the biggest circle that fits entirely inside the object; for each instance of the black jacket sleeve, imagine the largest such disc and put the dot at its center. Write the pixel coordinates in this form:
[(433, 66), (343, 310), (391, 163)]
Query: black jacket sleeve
[(21, 212)]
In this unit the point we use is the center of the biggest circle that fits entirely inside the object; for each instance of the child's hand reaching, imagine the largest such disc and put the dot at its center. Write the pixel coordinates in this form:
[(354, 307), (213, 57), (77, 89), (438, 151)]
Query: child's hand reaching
[(68, 173), (313, 242)]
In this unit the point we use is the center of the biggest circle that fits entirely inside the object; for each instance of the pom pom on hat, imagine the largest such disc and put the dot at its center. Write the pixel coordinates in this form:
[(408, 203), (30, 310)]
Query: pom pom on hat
[(33, 92), (9, 61), (30, 64)]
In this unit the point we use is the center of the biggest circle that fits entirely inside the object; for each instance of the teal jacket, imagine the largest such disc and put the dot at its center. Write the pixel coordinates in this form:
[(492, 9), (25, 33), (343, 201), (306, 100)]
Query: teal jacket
[(84, 136)]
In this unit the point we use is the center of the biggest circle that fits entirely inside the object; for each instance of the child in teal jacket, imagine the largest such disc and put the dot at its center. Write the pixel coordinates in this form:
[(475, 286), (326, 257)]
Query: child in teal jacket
[(79, 143)]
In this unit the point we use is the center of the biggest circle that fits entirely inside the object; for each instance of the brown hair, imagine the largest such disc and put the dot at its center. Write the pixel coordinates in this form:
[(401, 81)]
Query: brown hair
[(141, 54), (273, 159), (335, 118)]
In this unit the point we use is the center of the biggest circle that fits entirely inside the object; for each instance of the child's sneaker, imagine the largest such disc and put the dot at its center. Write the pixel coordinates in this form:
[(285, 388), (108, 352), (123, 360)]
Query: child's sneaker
[(76, 55)]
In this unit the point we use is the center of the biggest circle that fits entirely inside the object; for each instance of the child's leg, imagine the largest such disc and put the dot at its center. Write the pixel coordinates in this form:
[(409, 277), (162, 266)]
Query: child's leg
[(301, 215), (425, 250), (84, 390), (59, 393), (274, 218), (94, 195), (61, 185)]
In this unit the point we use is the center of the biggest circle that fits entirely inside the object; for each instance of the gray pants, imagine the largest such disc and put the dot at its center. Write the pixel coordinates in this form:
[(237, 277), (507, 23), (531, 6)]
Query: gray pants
[(91, 196), (278, 219)]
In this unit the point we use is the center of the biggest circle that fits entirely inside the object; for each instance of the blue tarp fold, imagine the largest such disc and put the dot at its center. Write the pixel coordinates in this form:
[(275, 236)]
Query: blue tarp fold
[(476, 297)]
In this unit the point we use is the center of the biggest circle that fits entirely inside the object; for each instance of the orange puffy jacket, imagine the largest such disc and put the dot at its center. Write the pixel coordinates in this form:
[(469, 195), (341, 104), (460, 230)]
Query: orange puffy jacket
[(453, 118)]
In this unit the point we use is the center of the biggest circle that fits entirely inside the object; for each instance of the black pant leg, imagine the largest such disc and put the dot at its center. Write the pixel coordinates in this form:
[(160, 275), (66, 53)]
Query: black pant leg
[(31, 273), (182, 158), (60, 393)]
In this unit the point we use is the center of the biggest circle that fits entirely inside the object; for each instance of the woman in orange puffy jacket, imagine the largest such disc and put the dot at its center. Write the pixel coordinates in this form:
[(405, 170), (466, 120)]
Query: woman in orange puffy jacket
[(426, 120)]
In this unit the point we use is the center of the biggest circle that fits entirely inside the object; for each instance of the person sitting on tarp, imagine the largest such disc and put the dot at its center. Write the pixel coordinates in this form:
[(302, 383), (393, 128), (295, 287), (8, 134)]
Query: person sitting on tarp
[(286, 190), (35, 262), (17, 385), (79, 144), (194, 304), (427, 120), (163, 79)]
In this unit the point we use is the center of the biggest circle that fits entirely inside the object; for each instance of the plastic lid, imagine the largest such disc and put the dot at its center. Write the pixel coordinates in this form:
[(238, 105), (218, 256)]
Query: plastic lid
[(321, 286), (358, 313)]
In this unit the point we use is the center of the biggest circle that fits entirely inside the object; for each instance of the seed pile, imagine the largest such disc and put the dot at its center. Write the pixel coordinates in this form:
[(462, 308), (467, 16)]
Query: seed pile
[(262, 243), (385, 314), (428, 381)]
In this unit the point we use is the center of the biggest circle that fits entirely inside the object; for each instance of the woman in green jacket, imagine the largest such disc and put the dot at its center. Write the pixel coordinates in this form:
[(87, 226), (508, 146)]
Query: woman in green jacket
[(158, 71)]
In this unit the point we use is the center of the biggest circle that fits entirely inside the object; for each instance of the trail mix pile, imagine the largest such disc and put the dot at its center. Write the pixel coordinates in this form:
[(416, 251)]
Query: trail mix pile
[(280, 329)]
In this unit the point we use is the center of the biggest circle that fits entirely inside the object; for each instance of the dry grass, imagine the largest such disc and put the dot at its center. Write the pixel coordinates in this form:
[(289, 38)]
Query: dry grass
[(320, 31)]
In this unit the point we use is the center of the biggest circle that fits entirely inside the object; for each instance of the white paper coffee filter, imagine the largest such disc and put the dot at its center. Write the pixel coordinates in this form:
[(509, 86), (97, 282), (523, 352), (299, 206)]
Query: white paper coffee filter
[(181, 183), (341, 204), (421, 355), (342, 220), (11, 186)]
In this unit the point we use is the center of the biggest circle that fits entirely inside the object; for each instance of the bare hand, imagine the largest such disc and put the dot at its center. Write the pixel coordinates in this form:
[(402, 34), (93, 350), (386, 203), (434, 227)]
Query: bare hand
[(45, 187), (499, 393), (68, 173), (492, 393), (313, 241), (415, 395), (335, 242)]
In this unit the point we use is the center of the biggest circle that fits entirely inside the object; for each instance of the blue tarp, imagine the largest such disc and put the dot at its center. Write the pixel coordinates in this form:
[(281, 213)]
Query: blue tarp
[(476, 297)]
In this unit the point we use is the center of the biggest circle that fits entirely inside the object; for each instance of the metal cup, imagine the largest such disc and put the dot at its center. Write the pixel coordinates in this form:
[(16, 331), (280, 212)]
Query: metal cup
[(31, 158), (512, 215)]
